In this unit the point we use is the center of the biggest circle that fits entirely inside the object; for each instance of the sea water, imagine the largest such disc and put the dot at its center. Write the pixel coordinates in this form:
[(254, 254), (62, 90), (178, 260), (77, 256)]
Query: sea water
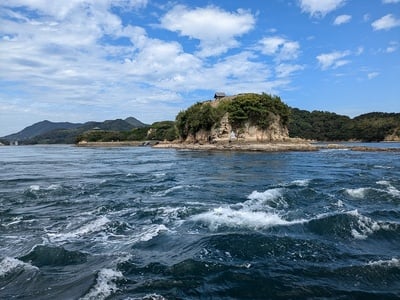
[(143, 223)]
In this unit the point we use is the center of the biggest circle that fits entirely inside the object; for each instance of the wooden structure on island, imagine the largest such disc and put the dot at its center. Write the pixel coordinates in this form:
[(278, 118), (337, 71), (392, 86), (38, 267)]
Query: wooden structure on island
[(219, 95)]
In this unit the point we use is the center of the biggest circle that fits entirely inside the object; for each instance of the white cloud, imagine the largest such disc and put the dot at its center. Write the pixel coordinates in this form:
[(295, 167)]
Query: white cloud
[(342, 19), (286, 70), (386, 22), (333, 59), (215, 28), (319, 8), (393, 46), (390, 1), (372, 75), (63, 9), (279, 47), (67, 60)]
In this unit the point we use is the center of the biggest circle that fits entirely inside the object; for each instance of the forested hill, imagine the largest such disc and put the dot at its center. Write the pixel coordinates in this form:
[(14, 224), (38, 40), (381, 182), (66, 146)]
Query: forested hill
[(38, 129), (46, 132), (327, 126)]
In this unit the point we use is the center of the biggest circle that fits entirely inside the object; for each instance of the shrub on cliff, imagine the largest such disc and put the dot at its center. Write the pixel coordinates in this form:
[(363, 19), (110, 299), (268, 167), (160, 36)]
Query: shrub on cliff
[(200, 116), (258, 110)]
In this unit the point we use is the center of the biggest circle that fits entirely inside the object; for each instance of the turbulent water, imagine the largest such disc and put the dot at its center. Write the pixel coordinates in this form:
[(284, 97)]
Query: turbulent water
[(142, 223)]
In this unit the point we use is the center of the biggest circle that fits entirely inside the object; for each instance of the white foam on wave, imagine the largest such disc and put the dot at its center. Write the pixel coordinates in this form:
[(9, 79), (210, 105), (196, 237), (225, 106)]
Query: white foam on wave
[(105, 285), (148, 297), (357, 193), (37, 187), (269, 198), (91, 227), (261, 210), (53, 187), (9, 264), (226, 216), (301, 182), (392, 263), (151, 232), (390, 189), (175, 188), (365, 226), (34, 188), (383, 167)]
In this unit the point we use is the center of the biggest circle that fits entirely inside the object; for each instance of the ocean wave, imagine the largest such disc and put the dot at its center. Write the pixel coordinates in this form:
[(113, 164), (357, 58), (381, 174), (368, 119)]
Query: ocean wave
[(357, 193), (9, 265), (42, 255), (105, 285), (392, 263), (390, 189), (175, 188), (150, 232), (272, 198), (91, 227), (261, 210), (226, 216), (301, 182), (348, 224), (148, 297), (364, 226), (52, 187)]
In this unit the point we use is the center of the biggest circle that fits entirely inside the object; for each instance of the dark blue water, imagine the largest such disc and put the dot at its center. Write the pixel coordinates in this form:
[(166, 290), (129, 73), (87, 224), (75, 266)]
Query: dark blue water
[(142, 223)]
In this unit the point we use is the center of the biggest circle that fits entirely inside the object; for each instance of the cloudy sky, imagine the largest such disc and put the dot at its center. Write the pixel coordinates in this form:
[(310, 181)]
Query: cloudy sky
[(81, 60)]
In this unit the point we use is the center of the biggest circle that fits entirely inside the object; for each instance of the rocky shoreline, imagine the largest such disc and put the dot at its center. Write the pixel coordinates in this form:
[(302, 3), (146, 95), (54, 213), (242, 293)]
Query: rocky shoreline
[(282, 146), (241, 146)]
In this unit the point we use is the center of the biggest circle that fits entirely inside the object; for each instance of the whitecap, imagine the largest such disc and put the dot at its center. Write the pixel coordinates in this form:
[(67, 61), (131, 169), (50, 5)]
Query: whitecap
[(34, 188), (151, 232), (301, 182), (390, 188), (149, 297), (9, 264), (105, 285), (394, 262), (357, 193), (91, 227), (339, 203), (53, 187), (226, 216), (269, 197), (365, 226), (159, 175), (173, 189), (383, 167)]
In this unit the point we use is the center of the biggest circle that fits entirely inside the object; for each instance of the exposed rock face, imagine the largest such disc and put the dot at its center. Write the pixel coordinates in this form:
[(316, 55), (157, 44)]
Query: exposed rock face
[(223, 131), (394, 137)]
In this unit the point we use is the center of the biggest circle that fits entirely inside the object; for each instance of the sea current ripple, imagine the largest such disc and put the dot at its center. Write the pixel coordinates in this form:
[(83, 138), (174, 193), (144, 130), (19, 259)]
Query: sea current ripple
[(143, 223)]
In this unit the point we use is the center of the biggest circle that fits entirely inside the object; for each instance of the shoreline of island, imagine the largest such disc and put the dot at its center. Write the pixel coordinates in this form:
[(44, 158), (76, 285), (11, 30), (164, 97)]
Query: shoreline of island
[(236, 146), (283, 146)]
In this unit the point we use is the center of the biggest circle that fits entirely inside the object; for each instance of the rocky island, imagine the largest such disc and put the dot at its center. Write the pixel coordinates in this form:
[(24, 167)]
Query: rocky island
[(247, 122)]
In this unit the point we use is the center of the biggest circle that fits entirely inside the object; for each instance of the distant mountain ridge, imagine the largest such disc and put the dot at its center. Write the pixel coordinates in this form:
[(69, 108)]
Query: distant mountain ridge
[(66, 132), (38, 129)]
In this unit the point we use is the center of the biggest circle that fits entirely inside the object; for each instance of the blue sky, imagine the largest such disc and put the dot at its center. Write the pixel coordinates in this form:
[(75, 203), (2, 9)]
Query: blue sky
[(82, 60)]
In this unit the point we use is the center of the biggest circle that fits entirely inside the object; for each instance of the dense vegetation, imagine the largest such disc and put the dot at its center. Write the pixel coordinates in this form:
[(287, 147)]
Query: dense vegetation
[(157, 131), (201, 116), (258, 110), (326, 126)]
